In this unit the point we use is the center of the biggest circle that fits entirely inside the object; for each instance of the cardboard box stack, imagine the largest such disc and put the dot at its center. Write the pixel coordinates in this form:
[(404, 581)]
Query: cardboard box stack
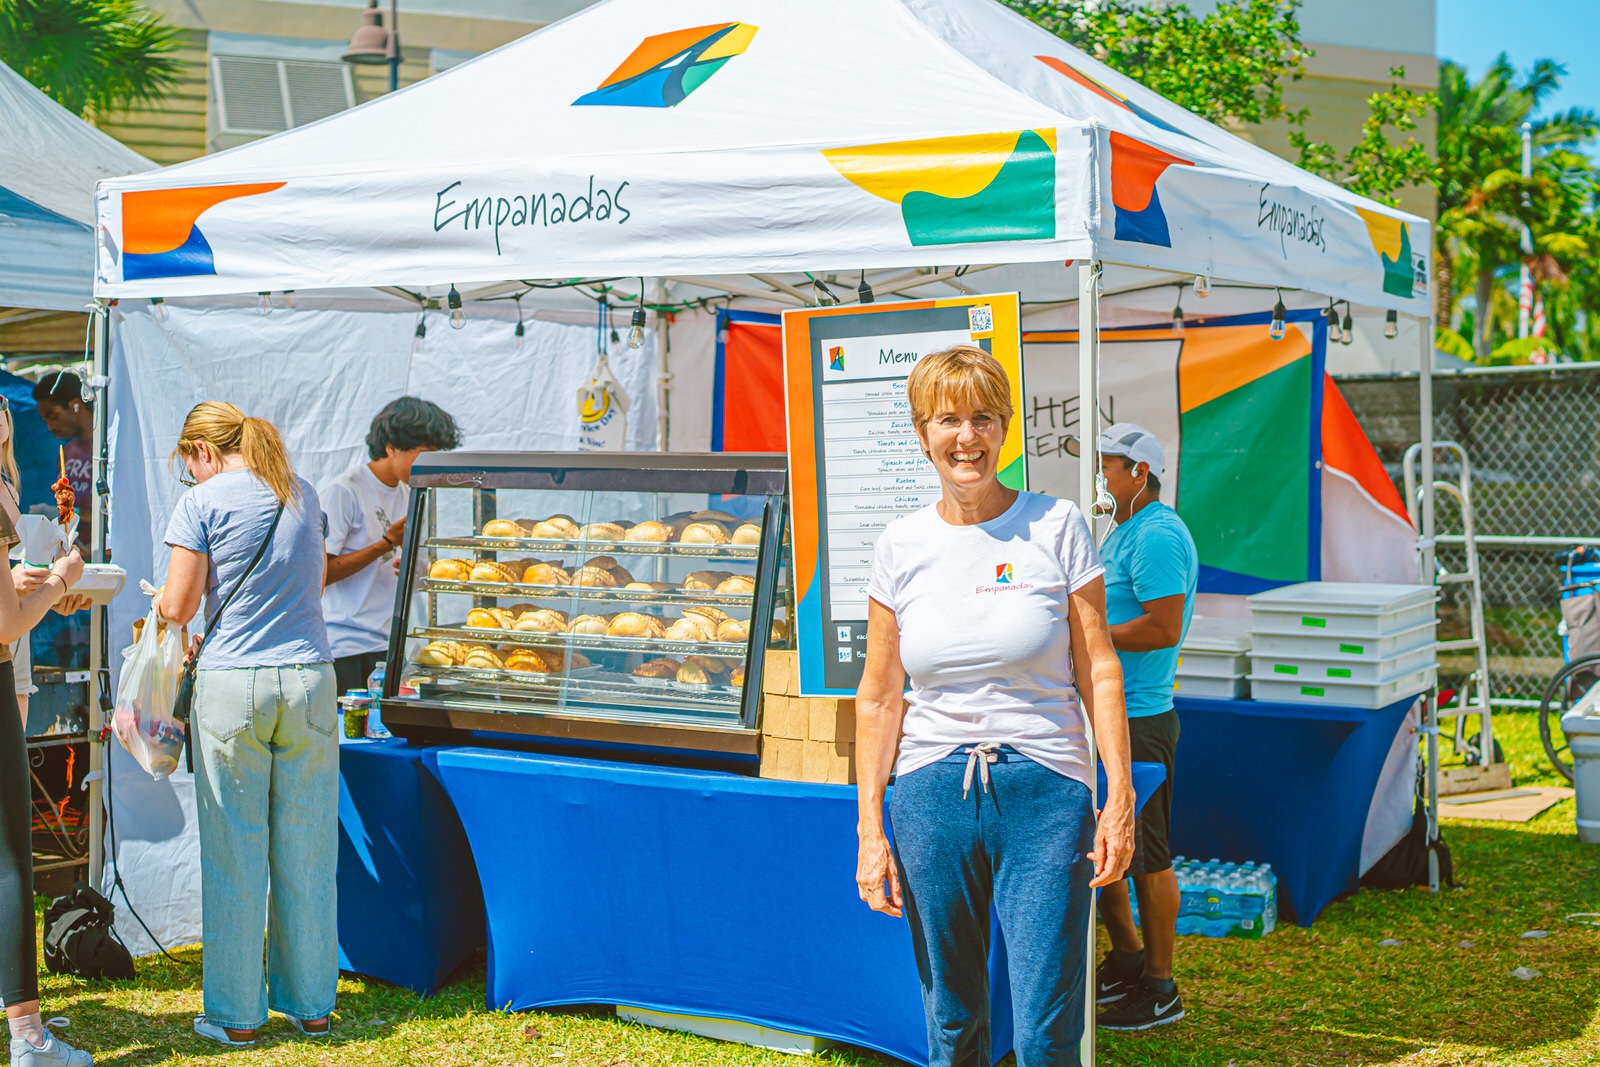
[(803, 739)]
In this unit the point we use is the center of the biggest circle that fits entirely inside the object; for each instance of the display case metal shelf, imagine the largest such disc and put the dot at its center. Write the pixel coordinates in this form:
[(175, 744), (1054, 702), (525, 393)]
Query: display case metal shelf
[(587, 686)]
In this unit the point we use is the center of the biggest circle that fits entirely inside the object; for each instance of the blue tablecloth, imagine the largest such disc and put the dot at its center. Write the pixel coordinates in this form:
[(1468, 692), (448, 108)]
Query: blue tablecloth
[(1285, 784), (410, 908), (695, 892)]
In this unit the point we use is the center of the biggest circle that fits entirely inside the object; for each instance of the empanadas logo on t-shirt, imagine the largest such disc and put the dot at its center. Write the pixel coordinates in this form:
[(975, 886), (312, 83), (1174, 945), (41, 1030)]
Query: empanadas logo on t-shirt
[(1004, 579)]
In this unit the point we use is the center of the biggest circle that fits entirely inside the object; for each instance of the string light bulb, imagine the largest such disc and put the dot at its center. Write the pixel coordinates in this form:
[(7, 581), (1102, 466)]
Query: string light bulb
[(419, 336), (264, 305), (158, 308), (825, 297), (1202, 285), (1348, 326), (1335, 335), (864, 293), (458, 314), (1177, 314), (288, 299), (522, 329), (636, 327), (1277, 331), (1391, 324)]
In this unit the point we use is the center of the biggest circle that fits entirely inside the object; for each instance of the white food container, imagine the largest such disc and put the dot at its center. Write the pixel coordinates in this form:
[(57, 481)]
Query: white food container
[(1345, 669), (1357, 609), (1333, 643), (1340, 693)]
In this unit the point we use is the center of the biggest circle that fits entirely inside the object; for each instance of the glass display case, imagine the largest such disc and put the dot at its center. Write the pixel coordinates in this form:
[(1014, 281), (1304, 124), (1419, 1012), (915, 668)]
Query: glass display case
[(615, 598)]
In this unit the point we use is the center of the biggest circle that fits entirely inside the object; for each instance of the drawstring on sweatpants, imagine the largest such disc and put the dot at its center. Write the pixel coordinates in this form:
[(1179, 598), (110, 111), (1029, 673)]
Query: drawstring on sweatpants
[(980, 755)]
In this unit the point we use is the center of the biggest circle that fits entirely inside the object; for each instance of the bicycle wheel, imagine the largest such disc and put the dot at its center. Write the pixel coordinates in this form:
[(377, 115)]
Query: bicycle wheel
[(1565, 689)]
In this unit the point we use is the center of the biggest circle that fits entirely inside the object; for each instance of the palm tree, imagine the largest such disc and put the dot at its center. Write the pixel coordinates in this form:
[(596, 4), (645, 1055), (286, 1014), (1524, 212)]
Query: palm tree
[(1483, 198), (90, 56)]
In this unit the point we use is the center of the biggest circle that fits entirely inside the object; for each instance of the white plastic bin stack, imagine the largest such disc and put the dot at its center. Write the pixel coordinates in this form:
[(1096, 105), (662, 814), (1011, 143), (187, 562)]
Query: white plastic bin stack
[(1214, 659), (1353, 644)]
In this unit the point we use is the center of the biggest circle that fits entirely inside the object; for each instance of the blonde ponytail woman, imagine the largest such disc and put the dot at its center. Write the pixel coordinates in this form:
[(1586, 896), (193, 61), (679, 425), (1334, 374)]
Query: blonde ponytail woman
[(266, 755)]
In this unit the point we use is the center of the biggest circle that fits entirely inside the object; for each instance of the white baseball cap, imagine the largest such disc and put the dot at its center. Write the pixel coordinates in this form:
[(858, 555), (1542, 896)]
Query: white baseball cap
[(1135, 442)]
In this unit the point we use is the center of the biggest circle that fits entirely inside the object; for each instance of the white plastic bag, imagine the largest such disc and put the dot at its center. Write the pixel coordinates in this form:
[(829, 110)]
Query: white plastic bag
[(142, 721)]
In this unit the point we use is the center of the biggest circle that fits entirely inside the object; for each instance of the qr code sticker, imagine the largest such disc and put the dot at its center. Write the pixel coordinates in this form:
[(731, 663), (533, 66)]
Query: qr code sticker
[(980, 319)]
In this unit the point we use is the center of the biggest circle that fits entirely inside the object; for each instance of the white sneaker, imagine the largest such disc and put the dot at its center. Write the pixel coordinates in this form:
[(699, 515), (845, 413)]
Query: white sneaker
[(55, 1053)]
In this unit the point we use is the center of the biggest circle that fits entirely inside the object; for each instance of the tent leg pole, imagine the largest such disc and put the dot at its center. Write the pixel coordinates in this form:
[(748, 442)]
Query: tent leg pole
[(1088, 435), (1430, 704), (99, 677)]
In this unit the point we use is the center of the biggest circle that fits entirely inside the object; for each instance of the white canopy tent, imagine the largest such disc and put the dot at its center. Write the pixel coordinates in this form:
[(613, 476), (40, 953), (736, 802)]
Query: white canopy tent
[(638, 139), (48, 171)]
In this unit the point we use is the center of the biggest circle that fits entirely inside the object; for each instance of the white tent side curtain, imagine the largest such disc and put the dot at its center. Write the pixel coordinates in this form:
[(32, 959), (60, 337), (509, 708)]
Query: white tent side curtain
[(666, 140)]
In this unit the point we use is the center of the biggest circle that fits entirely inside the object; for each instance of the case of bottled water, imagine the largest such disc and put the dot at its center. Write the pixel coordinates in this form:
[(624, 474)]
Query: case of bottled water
[(1217, 899)]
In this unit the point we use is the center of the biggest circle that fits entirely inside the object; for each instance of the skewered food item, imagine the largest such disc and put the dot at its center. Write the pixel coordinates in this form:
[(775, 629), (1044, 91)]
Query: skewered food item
[(484, 658), (66, 499), (589, 624), (665, 667), (542, 620), (738, 583), (546, 574), (603, 531), (595, 578), (488, 570), (747, 534), (651, 531), (454, 570), (733, 630), (633, 624), (691, 674), (704, 533), (503, 528)]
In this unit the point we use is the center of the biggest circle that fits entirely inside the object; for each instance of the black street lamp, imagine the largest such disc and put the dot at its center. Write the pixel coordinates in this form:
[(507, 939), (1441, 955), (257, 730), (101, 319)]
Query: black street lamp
[(372, 44)]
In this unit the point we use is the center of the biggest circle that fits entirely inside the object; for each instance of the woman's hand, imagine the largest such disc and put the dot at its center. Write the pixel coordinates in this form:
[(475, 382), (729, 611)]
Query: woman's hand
[(72, 602), (874, 869), (27, 578), (1113, 840), (69, 567)]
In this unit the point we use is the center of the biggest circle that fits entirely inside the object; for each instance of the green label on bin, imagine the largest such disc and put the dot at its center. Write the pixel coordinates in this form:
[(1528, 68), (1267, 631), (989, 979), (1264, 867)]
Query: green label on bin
[(1312, 620), (1312, 691), (1352, 650), (1285, 668), (1338, 672)]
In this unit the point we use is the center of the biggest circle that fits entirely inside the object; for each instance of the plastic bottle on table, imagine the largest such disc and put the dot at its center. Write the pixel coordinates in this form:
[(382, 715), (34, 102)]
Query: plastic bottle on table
[(375, 727)]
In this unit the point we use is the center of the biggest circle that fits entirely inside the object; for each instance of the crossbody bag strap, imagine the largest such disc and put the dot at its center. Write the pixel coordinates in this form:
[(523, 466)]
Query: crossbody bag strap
[(216, 616)]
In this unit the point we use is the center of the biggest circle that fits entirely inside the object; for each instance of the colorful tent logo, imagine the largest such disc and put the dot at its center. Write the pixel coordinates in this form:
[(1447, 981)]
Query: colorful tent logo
[(960, 190), (1135, 169), (1002, 573), (1105, 92), (667, 67), (1391, 239), (161, 235), (836, 358)]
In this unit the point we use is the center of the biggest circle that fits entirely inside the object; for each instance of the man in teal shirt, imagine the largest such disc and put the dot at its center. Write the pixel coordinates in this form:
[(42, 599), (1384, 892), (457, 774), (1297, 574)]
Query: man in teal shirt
[(1151, 572)]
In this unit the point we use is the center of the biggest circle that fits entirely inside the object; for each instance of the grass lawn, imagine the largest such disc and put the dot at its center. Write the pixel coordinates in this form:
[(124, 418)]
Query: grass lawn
[(1328, 995)]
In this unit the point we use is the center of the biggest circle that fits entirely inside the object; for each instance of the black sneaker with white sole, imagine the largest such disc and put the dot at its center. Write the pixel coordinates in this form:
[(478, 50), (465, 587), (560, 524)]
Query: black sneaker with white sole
[(1142, 1008), (1114, 980)]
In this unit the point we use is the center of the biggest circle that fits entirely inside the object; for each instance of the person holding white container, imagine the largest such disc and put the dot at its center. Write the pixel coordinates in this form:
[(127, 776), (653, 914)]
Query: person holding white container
[(1152, 569)]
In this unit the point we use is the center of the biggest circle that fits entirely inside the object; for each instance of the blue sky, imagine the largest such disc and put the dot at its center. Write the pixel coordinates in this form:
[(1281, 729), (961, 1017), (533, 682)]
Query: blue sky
[(1473, 32)]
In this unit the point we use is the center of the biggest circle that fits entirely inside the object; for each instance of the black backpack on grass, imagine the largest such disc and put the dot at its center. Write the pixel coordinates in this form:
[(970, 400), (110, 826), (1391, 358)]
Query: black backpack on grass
[(79, 937), (1406, 864)]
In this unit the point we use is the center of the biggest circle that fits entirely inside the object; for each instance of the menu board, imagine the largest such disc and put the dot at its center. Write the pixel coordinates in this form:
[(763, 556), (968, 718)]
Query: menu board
[(856, 463)]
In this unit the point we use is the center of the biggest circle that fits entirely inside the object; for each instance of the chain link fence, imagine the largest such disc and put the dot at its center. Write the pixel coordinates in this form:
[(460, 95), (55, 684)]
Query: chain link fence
[(1532, 438)]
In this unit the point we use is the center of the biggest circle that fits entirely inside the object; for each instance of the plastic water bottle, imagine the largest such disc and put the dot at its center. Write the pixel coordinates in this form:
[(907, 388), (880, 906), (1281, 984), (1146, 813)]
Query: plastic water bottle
[(375, 727)]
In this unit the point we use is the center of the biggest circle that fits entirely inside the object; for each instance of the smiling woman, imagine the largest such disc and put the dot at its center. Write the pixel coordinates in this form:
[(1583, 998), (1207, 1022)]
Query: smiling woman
[(992, 601)]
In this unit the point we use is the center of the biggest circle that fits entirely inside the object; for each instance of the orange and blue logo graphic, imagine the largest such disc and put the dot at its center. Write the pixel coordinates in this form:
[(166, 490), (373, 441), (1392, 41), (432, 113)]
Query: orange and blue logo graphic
[(667, 67), (1105, 92), (161, 235), (836, 358), (1391, 239), (1002, 573), (962, 190), (1135, 169)]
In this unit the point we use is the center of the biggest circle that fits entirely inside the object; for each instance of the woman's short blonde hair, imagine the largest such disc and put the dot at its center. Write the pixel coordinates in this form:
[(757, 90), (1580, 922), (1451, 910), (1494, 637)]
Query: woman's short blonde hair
[(958, 376)]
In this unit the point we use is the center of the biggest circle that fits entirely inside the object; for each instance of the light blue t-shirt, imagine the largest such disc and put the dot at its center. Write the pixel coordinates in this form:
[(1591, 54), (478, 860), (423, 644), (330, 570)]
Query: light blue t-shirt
[(276, 619), (1149, 557)]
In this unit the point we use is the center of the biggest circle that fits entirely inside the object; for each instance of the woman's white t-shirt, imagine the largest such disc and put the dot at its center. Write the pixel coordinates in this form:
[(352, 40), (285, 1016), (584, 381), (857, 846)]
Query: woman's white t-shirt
[(983, 630)]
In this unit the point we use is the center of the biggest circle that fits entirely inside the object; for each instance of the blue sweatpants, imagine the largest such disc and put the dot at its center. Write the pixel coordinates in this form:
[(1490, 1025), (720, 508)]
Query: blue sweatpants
[(1020, 845)]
